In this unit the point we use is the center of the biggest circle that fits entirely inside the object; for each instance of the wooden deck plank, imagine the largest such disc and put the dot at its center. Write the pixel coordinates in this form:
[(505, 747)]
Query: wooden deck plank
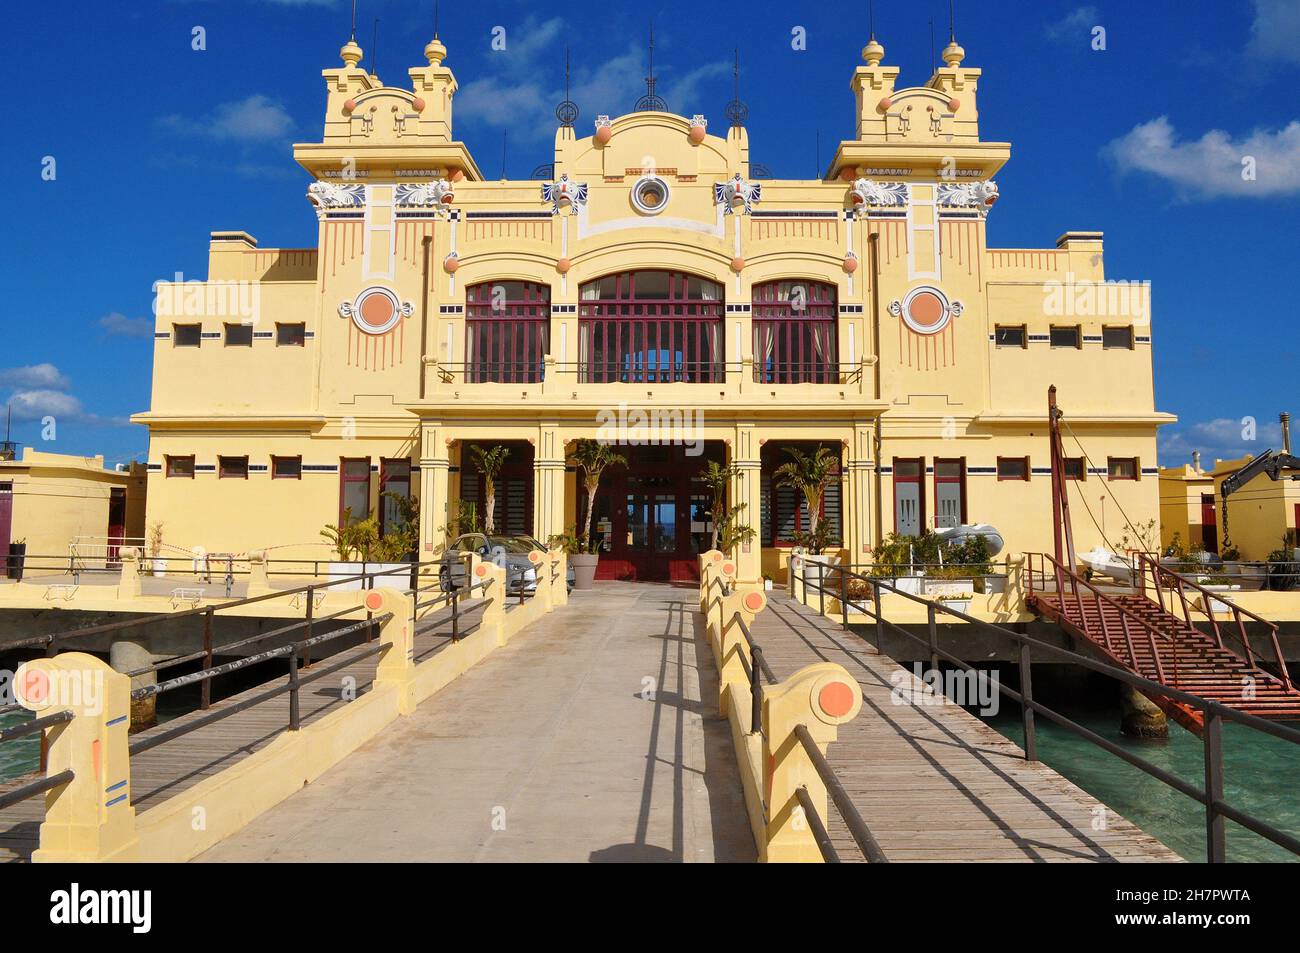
[(932, 781)]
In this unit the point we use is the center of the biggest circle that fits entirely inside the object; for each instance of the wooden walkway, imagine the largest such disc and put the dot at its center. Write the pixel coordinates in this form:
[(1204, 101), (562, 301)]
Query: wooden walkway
[(176, 765), (932, 781)]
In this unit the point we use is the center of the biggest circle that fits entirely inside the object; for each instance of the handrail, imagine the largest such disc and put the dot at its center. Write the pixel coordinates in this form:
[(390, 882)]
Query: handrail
[(33, 788), (1215, 714), (839, 796), (1145, 561), (1125, 614)]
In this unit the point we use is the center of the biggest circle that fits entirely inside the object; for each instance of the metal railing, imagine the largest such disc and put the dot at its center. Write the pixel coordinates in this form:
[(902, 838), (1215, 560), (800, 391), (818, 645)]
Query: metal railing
[(622, 371), (1163, 577), (756, 672), (21, 730), (1211, 796)]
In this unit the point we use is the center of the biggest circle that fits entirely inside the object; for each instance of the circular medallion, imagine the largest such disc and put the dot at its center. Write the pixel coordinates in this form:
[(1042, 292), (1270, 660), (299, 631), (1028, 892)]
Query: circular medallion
[(650, 195), (927, 310), (375, 311)]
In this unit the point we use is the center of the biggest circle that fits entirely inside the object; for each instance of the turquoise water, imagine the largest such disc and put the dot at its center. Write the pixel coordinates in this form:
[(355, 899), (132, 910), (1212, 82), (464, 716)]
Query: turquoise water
[(21, 754), (1261, 777)]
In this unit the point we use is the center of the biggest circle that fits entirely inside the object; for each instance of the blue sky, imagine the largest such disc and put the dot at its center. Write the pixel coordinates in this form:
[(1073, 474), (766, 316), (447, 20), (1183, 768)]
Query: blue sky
[(156, 144)]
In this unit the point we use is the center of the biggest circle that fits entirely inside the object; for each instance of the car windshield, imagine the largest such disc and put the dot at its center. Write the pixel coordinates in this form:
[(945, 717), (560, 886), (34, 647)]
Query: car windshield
[(509, 544)]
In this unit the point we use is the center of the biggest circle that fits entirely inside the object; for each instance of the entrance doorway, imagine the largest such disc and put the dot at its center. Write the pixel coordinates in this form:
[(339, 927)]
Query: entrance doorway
[(116, 523), (653, 516)]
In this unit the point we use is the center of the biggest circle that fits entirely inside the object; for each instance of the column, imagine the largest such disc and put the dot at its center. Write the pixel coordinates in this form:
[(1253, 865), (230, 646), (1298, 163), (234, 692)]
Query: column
[(548, 482), (746, 489), (435, 472), (859, 517)]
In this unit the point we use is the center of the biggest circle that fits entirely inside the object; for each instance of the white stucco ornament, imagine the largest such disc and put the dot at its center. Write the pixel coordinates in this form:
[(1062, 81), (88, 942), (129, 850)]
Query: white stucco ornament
[(564, 193), (436, 194), (926, 310), (328, 195), (736, 194), (977, 195), (882, 194)]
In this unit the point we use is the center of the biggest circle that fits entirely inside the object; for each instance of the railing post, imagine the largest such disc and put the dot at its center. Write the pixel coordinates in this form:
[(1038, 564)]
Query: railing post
[(90, 818), (493, 619), (755, 689), (844, 597), (933, 629), (1216, 849), (206, 690), (560, 577), (880, 615), (821, 697), (295, 721), (455, 614), (396, 668), (1026, 706)]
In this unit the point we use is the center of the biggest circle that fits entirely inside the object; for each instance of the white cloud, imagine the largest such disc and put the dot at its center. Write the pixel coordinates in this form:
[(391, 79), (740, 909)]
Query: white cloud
[(1212, 166), (526, 84), (1223, 438), (1076, 23), (35, 375), (120, 325), (254, 119), (35, 404), (1275, 29)]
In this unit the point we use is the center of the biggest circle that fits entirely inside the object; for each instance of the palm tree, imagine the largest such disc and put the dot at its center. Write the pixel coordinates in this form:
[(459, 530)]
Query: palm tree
[(717, 477), (809, 473), (593, 457), (489, 464)]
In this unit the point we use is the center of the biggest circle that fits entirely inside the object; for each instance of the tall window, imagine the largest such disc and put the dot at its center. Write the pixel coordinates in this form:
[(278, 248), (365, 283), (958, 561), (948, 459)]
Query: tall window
[(354, 490), (795, 333), (507, 326), (394, 486), (949, 492), (909, 495), (651, 327)]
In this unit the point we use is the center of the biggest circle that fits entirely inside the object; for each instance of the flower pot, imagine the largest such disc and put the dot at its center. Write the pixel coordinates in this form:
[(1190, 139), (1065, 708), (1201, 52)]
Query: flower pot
[(14, 564), (948, 587), (157, 567), (584, 569)]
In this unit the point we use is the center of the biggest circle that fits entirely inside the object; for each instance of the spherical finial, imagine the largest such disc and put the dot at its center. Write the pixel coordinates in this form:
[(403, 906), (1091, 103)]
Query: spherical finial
[(435, 52), (351, 54), (953, 54), (873, 52)]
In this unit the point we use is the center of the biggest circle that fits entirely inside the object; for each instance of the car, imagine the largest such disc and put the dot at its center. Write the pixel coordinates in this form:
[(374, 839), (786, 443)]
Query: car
[(508, 552)]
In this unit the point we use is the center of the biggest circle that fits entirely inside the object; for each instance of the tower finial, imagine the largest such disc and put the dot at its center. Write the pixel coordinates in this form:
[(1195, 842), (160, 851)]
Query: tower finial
[(567, 111), (873, 52), (374, 50), (651, 102), (351, 53), (736, 110), (436, 11), (354, 21), (953, 54)]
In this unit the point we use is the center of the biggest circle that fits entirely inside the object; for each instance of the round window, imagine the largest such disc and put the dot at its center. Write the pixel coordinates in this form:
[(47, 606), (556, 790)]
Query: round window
[(650, 195)]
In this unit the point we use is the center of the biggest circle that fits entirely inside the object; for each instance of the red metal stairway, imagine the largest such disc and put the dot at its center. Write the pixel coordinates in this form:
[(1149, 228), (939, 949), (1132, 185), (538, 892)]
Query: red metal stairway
[(1144, 631)]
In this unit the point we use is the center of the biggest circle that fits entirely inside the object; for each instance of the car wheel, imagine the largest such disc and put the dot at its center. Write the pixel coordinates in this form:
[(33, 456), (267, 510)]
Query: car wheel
[(444, 579)]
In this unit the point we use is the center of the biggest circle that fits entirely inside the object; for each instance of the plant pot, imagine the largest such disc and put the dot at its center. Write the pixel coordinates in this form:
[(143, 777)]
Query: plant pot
[(14, 564), (948, 587), (958, 605), (157, 567), (767, 584), (992, 585), (584, 569)]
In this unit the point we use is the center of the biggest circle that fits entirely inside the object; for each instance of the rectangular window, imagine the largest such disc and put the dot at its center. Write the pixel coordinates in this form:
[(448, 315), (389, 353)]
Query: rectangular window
[(354, 490), (1013, 468), (290, 335), (949, 492), (395, 480), (186, 335), (286, 468), (1074, 468), (794, 328), (1010, 336), (239, 335), (784, 512), (180, 466), (1122, 468), (909, 497), (1071, 336), (232, 468), (1121, 338)]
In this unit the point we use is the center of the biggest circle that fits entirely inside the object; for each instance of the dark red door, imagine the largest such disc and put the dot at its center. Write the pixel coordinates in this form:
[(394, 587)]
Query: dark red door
[(6, 520), (1209, 524), (116, 521)]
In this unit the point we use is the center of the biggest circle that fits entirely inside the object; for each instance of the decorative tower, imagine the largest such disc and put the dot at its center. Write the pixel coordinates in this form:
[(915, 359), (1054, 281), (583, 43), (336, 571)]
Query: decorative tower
[(434, 86)]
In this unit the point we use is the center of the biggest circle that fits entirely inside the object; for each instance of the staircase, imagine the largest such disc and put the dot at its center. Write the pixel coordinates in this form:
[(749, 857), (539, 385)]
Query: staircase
[(1137, 633)]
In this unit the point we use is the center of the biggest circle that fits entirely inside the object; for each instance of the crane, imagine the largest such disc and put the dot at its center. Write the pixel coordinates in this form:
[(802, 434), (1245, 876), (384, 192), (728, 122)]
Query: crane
[(1271, 463)]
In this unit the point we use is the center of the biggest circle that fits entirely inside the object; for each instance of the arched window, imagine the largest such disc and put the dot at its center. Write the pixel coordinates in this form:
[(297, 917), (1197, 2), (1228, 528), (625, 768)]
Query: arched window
[(651, 327), (795, 333), (507, 325)]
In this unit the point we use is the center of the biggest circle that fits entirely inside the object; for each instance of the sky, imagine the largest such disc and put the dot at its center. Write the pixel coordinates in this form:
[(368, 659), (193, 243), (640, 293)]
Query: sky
[(1172, 127)]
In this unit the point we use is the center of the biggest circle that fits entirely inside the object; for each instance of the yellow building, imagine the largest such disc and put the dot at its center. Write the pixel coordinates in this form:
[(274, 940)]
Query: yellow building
[(48, 501), (654, 291), (1188, 507)]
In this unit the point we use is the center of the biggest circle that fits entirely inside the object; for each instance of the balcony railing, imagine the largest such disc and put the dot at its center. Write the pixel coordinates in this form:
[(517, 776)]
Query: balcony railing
[(636, 369)]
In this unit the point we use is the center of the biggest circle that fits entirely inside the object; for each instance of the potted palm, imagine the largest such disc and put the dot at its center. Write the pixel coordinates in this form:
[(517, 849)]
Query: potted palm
[(810, 473), (592, 457), (717, 477), (489, 464)]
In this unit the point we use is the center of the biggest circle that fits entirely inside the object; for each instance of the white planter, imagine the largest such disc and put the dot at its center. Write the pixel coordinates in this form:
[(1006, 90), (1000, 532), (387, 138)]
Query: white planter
[(158, 567), (960, 605), (948, 587), (767, 584), (344, 570), (913, 585)]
